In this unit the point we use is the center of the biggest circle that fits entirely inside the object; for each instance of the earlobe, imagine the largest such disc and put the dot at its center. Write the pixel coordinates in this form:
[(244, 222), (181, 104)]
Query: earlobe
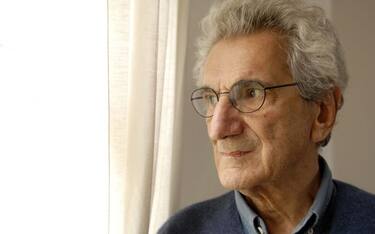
[(326, 115)]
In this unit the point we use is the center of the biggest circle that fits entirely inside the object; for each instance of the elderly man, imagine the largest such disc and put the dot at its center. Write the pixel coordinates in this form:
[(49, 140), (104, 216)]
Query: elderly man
[(271, 76)]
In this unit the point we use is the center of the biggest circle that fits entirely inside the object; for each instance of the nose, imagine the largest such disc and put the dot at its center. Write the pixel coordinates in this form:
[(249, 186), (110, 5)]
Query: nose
[(225, 122)]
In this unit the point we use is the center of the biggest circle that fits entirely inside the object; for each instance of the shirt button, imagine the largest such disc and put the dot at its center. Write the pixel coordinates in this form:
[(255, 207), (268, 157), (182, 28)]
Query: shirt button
[(310, 231), (260, 230)]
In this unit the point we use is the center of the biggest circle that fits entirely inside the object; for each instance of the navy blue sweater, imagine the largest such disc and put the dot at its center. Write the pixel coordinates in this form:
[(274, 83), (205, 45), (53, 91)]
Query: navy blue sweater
[(350, 210)]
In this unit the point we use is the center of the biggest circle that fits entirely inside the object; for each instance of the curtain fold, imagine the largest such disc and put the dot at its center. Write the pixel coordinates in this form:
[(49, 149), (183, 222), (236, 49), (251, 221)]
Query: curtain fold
[(168, 129), (146, 57)]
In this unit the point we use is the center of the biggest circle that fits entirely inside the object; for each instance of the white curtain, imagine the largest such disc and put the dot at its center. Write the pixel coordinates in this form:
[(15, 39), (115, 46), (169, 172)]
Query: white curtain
[(146, 58)]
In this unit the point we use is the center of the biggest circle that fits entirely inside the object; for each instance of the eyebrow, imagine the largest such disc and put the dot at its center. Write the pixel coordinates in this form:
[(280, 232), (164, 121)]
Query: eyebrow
[(245, 79), (241, 80)]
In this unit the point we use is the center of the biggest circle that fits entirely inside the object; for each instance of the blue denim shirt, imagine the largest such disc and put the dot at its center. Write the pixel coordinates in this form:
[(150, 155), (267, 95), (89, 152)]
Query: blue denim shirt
[(253, 223)]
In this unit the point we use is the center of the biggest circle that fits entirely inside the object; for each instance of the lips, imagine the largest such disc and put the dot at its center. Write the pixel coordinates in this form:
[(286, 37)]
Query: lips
[(235, 154), (236, 147)]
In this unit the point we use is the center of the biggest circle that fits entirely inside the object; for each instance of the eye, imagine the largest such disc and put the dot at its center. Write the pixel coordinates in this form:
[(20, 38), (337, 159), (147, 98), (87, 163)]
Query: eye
[(252, 93), (247, 95)]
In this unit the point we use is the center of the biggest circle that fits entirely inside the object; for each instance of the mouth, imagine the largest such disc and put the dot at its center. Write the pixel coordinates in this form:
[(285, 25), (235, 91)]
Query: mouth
[(234, 154)]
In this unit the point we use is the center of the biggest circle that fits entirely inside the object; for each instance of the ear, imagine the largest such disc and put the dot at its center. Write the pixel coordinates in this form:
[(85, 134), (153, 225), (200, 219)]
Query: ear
[(326, 115)]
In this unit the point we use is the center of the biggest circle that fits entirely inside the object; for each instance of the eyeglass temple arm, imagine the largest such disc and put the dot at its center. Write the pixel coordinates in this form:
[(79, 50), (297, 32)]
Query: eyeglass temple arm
[(280, 86)]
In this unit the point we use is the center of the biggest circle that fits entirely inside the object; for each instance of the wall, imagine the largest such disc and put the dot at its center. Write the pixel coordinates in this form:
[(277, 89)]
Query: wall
[(350, 159), (198, 175), (353, 145)]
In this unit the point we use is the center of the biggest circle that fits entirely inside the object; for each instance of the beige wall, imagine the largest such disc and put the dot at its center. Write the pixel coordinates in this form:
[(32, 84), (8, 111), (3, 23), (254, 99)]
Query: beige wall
[(353, 146), (350, 154), (198, 175)]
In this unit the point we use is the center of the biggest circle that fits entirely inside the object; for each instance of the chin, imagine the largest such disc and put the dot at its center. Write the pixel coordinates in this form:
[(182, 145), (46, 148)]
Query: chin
[(233, 180), (238, 179), (229, 184)]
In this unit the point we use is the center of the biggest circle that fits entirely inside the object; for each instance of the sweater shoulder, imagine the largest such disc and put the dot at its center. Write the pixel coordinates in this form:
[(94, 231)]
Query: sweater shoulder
[(353, 197), (203, 216), (354, 209)]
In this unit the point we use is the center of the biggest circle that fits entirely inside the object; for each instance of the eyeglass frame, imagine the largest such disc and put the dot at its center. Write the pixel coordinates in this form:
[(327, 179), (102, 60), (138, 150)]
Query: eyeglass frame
[(218, 94)]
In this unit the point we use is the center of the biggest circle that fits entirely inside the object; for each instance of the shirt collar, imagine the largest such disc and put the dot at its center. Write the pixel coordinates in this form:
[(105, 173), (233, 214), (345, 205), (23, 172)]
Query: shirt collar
[(247, 215), (251, 220), (322, 198)]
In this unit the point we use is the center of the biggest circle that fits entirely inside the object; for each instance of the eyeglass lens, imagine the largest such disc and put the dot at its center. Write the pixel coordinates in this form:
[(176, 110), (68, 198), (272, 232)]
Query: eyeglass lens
[(245, 96)]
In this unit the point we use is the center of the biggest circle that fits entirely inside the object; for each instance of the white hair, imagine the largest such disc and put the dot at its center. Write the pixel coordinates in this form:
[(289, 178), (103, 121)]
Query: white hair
[(314, 53)]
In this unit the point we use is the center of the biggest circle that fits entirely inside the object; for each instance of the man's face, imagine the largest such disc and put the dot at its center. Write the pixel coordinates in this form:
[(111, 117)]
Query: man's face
[(273, 143)]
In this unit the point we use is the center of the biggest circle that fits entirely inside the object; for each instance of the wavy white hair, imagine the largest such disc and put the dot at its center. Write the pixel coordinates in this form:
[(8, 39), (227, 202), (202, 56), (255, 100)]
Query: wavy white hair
[(314, 52)]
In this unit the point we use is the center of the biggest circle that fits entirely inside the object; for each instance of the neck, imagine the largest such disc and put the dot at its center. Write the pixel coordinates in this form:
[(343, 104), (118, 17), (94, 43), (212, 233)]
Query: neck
[(282, 204)]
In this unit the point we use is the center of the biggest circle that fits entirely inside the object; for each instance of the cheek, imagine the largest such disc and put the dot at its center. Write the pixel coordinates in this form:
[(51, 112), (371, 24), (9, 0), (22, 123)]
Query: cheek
[(268, 127), (282, 131)]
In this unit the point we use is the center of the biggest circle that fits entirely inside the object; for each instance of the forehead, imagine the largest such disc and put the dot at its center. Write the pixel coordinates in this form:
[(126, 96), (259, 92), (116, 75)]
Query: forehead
[(260, 56)]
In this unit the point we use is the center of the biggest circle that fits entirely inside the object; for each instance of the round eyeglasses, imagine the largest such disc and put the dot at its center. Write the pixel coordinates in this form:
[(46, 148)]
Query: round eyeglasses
[(246, 96)]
